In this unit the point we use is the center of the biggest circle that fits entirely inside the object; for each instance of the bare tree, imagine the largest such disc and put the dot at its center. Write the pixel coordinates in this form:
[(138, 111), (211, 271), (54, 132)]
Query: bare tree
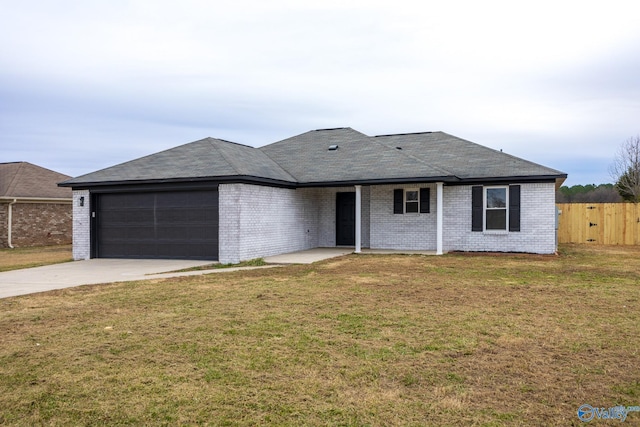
[(625, 169)]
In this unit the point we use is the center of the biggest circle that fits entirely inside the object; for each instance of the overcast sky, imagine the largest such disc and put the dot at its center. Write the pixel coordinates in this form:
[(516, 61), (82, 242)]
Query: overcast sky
[(88, 84)]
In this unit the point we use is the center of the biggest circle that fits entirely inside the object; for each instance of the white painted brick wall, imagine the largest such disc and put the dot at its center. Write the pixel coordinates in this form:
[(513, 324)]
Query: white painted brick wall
[(412, 231), (366, 217), (326, 199), (81, 225), (537, 222), (326, 203), (229, 196), (258, 221)]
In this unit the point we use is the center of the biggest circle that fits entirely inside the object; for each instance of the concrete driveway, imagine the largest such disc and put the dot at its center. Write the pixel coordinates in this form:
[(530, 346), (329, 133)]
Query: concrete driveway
[(100, 270), (90, 272)]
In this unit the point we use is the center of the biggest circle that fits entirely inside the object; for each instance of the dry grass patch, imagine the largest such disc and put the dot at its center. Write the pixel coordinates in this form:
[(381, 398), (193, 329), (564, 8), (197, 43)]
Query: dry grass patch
[(17, 258), (358, 340)]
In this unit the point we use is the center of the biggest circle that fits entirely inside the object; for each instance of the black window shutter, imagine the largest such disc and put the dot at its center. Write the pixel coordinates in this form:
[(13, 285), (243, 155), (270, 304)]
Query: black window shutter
[(476, 208), (398, 201), (514, 208), (425, 199)]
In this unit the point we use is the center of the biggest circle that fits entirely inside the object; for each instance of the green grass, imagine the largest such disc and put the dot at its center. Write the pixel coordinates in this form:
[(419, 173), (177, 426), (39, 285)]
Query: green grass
[(357, 340)]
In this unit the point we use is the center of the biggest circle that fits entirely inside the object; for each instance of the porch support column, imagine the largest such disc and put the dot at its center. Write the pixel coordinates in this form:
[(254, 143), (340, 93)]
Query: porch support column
[(439, 218), (358, 219)]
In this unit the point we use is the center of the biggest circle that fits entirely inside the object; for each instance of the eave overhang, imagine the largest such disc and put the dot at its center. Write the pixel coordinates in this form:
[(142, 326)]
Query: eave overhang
[(204, 182), (201, 182)]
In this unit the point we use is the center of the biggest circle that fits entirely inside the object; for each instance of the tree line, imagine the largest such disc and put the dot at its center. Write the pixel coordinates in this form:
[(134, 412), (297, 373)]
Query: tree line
[(591, 193)]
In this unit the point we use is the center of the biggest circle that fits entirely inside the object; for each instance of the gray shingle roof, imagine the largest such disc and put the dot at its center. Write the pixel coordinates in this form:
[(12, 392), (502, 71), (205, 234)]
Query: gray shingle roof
[(358, 158), (307, 160), (206, 158), (462, 158)]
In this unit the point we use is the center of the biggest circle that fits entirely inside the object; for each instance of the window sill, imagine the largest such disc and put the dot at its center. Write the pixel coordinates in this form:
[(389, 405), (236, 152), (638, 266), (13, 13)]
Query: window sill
[(496, 232)]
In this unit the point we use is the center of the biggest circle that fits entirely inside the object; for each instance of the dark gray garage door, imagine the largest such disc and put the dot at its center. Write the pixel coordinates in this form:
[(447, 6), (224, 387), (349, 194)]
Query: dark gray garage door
[(178, 225)]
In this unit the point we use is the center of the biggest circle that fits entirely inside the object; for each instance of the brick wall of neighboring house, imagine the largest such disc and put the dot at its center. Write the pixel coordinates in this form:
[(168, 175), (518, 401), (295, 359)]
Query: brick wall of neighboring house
[(537, 222), (3, 225), (38, 224)]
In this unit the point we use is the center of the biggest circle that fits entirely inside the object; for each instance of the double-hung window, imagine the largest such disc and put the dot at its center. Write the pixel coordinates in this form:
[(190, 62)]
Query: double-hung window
[(411, 200), (495, 208)]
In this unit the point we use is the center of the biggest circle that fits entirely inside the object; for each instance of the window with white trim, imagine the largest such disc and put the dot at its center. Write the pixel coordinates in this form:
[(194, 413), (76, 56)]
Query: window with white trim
[(411, 200), (496, 212), (495, 208)]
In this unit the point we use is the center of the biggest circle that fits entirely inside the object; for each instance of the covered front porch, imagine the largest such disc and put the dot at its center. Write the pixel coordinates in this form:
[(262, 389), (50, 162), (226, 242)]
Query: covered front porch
[(260, 221), (410, 196)]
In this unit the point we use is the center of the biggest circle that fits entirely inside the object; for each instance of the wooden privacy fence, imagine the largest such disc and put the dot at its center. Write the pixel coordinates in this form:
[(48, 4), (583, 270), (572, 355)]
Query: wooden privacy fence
[(602, 223)]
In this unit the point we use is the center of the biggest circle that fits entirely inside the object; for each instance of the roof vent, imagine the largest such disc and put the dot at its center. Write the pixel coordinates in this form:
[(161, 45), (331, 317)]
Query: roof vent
[(398, 148), (333, 147)]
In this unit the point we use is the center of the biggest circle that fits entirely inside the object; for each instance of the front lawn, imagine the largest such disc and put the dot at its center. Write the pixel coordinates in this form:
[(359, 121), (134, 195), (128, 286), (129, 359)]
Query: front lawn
[(17, 258), (460, 339)]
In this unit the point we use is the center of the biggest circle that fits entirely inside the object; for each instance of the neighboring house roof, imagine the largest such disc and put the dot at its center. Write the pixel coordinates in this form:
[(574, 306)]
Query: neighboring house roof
[(307, 160), (25, 180)]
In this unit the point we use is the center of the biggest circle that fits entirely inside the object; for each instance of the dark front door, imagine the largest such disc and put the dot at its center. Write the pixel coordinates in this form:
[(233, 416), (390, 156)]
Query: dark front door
[(179, 225), (345, 219)]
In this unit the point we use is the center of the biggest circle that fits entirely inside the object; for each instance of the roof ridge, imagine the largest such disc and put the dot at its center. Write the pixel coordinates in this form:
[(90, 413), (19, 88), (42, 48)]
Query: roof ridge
[(221, 152), (338, 128), (295, 179), (411, 155), (230, 142), (307, 132), (232, 161), (405, 133)]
